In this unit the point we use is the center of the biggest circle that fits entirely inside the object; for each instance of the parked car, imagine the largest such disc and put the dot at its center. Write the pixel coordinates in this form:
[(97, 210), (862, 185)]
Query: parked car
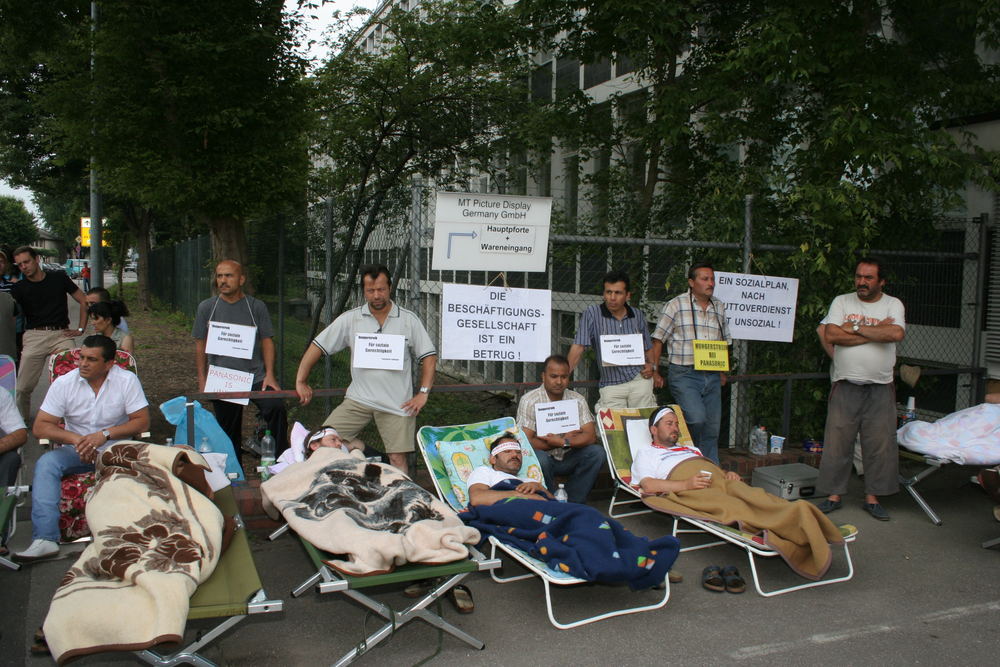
[(131, 267), (52, 266)]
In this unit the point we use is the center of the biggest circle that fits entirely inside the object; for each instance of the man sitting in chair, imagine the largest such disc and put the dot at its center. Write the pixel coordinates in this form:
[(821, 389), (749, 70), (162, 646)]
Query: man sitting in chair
[(100, 404)]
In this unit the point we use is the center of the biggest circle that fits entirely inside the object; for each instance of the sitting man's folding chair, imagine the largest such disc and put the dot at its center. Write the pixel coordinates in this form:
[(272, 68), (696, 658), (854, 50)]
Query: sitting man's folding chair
[(232, 593), (327, 579), (450, 469), (616, 424), (13, 496)]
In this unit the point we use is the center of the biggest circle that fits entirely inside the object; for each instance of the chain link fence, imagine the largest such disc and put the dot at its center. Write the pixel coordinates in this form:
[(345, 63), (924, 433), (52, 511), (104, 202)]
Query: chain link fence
[(780, 385)]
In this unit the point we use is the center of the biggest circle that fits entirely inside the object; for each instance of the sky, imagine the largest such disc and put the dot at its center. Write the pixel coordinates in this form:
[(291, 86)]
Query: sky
[(318, 51)]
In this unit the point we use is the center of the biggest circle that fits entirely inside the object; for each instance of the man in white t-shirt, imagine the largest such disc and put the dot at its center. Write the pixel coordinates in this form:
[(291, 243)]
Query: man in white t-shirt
[(505, 462), (652, 465), (99, 404), (863, 326)]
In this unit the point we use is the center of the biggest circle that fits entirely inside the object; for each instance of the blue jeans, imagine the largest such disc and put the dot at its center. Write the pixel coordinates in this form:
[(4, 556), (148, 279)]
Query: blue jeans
[(580, 465), (699, 393), (46, 489)]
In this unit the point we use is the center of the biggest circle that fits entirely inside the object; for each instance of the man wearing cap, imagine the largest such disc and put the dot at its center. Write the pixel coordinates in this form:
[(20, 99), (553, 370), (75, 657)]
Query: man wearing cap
[(611, 327), (381, 383), (572, 453), (505, 462)]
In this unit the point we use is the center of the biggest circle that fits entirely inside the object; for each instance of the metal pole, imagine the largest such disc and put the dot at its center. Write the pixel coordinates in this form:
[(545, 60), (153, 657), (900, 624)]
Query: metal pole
[(280, 370), (327, 367), (980, 303), (739, 417), (747, 231), (96, 254), (416, 233)]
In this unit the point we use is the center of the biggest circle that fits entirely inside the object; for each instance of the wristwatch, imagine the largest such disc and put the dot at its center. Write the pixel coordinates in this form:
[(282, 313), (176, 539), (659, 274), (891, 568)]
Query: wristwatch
[(566, 444), (106, 433), (79, 329), (425, 390), (856, 327)]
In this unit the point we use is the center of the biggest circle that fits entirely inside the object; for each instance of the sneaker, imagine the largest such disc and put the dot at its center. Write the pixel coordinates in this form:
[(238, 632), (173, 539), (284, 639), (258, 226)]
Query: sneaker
[(877, 511), (39, 549), (828, 505)]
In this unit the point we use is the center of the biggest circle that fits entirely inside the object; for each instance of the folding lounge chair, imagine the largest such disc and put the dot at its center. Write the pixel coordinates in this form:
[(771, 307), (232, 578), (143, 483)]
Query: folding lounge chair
[(11, 499), (328, 580), (614, 426), (428, 439), (232, 593)]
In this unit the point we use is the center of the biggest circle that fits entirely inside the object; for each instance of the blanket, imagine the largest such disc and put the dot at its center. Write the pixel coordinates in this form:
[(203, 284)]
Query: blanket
[(966, 437), (797, 530), (369, 514), (157, 536), (575, 539)]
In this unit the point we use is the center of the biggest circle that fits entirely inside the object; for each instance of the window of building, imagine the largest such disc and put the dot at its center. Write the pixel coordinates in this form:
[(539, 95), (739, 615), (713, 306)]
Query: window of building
[(596, 73)]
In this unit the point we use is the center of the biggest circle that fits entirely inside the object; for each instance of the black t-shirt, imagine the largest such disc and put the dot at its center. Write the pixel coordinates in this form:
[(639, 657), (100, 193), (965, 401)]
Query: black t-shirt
[(44, 302)]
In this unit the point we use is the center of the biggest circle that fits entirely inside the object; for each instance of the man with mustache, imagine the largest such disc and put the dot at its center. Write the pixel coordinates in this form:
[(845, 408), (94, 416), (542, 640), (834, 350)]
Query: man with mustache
[(863, 326)]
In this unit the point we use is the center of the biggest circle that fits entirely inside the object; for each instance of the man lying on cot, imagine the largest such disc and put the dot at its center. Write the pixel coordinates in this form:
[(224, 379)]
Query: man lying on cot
[(327, 436), (681, 481), (570, 537)]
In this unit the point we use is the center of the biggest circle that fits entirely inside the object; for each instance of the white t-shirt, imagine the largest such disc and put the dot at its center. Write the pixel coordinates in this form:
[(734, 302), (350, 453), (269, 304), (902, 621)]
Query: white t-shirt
[(488, 476), (659, 462), (10, 418), (870, 363), (71, 399)]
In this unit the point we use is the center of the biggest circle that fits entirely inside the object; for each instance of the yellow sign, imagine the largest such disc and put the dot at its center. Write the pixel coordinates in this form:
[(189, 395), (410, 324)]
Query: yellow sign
[(711, 355), (85, 233)]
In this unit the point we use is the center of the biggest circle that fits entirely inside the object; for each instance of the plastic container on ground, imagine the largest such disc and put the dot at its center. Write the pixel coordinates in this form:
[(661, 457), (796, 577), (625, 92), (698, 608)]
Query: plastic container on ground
[(266, 454), (561, 494)]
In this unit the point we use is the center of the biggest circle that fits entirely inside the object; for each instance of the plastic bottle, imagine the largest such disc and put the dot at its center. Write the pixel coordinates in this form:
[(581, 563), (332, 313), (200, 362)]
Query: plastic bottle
[(266, 454), (204, 447), (758, 441), (561, 494), (911, 410), (170, 442)]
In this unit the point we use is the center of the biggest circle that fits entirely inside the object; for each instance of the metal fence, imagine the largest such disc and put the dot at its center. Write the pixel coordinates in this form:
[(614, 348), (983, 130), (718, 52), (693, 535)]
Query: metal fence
[(780, 385)]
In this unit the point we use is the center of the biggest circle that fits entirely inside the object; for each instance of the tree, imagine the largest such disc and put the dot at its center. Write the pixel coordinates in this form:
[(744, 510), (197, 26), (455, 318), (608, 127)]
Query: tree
[(432, 100), (17, 224)]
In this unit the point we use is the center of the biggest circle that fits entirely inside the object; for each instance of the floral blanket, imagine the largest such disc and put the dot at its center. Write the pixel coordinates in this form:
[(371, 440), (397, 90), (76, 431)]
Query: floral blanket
[(157, 536), (370, 514)]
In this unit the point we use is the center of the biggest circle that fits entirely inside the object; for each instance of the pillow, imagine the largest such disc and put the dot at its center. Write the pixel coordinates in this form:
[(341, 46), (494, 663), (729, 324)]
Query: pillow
[(461, 457)]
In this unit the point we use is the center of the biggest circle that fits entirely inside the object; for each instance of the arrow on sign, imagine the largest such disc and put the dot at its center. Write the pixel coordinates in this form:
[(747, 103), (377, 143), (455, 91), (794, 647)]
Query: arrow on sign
[(453, 234)]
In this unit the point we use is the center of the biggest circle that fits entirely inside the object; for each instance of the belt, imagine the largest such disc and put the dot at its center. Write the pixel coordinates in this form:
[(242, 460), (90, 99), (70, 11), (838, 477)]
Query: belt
[(47, 328)]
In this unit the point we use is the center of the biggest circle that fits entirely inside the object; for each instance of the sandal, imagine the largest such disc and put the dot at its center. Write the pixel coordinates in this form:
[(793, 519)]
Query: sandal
[(461, 597), (734, 582), (39, 647), (418, 589), (711, 578)]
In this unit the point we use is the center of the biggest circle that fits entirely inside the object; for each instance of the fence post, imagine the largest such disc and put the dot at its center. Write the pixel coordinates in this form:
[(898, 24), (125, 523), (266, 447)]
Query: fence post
[(281, 300), (416, 234), (740, 394), (327, 367), (977, 338)]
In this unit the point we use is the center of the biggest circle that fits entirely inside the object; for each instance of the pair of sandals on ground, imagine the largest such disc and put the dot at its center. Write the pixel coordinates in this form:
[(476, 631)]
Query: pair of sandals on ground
[(459, 595), (723, 579)]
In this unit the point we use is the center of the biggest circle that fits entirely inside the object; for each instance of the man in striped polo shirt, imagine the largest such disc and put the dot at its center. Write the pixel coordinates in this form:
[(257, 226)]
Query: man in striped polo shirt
[(619, 335)]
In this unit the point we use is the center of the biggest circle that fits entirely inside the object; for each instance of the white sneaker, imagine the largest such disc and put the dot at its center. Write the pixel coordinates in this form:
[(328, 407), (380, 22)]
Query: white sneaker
[(38, 550)]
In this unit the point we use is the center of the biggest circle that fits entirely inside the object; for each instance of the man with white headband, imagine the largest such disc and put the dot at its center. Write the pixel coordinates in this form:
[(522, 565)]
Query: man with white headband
[(327, 436), (505, 462)]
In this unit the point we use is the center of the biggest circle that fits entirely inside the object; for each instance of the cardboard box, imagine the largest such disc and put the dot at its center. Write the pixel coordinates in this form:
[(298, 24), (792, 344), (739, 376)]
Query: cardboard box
[(790, 481)]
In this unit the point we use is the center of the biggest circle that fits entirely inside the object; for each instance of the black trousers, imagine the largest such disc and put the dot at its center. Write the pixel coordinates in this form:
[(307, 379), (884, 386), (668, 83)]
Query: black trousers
[(272, 410)]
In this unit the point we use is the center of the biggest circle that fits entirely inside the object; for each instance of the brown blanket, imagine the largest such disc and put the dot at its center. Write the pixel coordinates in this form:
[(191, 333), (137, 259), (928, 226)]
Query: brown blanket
[(795, 529), (157, 535)]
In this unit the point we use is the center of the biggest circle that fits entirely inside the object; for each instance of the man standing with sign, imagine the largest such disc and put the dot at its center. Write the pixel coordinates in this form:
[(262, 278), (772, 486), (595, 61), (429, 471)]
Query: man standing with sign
[(693, 325), (383, 339), (561, 429), (863, 326), (620, 337), (233, 338)]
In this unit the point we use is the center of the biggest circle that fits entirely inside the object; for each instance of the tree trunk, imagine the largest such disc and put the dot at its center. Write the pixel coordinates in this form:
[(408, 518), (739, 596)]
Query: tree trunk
[(229, 241), (139, 220)]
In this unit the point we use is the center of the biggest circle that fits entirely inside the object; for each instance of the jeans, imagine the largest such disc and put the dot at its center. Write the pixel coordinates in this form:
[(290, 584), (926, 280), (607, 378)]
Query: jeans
[(580, 465), (699, 393), (46, 489)]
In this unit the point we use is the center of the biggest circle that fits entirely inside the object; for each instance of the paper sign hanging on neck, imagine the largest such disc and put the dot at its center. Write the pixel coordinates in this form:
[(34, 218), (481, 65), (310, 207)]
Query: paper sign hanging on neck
[(557, 417), (226, 379), (230, 340), (375, 350), (711, 355), (623, 350)]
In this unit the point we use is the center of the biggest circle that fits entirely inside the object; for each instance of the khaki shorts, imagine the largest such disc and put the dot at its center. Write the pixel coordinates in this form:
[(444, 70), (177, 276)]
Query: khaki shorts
[(398, 433)]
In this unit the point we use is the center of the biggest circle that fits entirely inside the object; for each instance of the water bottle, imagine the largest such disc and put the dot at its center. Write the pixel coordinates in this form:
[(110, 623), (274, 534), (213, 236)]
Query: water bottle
[(170, 442), (911, 410), (758, 441), (561, 494), (204, 447), (266, 455)]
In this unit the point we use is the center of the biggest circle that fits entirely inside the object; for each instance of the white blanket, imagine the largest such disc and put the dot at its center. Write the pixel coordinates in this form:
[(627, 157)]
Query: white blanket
[(968, 437)]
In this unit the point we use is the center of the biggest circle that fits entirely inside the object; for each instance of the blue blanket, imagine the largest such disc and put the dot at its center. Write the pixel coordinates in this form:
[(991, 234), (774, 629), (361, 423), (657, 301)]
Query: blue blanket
[(575, 539)]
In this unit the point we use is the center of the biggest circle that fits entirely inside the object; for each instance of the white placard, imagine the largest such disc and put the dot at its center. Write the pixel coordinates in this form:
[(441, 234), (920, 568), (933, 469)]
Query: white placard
[(477, 232), (375, 350), (495, 323), (624, 350), (226, 379), (758, 307), (230, 340), (557, 417)]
